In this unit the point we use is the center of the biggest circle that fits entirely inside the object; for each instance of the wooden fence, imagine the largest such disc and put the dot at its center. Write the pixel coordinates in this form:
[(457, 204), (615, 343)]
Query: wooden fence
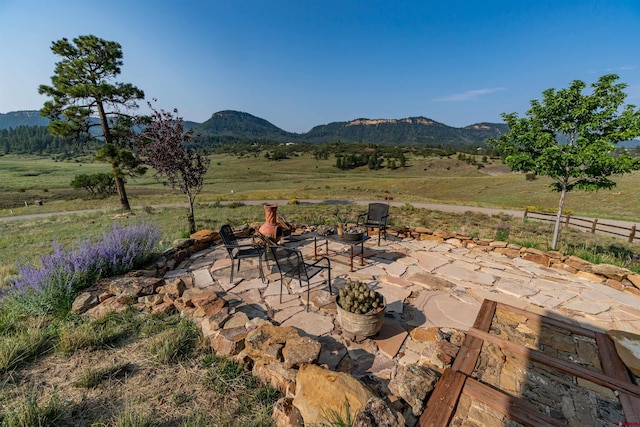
[(592, 225)]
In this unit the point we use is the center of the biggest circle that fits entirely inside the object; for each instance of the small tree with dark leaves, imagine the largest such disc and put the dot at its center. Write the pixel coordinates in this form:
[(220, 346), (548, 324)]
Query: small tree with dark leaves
[(174, 154)]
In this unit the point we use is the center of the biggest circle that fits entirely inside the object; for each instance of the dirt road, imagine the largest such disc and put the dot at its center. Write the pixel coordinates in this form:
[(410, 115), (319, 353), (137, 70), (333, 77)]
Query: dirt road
[(606, 226)]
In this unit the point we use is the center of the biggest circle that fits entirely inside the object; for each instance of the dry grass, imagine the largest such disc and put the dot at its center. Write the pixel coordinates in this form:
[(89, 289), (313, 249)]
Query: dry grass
[(126, 384)]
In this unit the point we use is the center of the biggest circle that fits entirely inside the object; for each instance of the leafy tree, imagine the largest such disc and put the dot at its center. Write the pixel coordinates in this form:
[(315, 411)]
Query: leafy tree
[(569, 136), (96, 184), (82, 87), (175, 155)]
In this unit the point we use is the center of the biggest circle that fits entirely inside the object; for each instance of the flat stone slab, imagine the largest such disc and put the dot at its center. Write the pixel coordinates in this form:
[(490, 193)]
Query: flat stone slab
[(253, 297), (442, 310), (590, 307), (202, 278), (311, 323), (172, 274), (515, 287), (246, 285), (227, 285), (482, 294), (457, 273), (273, 288), (512, 274), (394, 280), (395, 269), (273, 301), (390, 338), (332, 351), (418, 305), (286, 313), (429, 261)]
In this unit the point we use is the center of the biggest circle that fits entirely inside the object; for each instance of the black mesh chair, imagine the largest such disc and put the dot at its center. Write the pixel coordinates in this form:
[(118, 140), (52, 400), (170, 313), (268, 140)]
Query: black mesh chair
[(239, 251), (291, 264), (377, 216)]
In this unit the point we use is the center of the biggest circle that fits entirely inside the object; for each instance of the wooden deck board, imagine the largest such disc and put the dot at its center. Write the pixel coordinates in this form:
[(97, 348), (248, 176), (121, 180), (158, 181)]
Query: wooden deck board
[(468, 355), (613, 366), (512, 408), (444, 399), (561, 365)]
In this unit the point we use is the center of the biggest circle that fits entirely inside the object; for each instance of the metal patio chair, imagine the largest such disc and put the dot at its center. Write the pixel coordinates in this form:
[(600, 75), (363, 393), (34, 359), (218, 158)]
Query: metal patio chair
[(291, 264), (377, 216), (239, 251)]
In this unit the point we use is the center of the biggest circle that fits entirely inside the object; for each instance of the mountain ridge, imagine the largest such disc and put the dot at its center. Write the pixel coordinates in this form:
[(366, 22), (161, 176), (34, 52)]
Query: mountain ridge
[(230, 125)]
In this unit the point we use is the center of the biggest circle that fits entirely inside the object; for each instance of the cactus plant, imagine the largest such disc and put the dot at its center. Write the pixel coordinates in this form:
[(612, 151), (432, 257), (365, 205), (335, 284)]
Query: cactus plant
[(356, 297)]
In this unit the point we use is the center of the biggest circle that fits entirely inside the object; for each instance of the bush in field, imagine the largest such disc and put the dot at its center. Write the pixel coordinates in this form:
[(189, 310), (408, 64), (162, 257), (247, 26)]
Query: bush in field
[(51, 287), (96, 184)]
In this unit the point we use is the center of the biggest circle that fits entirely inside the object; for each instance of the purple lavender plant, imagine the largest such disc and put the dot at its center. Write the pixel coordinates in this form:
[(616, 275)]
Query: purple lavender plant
[(51, 287)]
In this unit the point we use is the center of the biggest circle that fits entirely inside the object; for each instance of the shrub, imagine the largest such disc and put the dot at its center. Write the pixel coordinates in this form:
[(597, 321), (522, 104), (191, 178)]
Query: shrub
[(502, 231), (96, 184), (51, 287)]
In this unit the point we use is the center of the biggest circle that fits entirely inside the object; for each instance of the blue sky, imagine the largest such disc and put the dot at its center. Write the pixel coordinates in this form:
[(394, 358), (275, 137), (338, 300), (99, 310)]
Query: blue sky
[(303, 63)]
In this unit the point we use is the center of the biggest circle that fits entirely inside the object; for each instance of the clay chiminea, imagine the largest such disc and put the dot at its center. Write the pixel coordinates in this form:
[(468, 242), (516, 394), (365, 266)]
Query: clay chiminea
[(270, 227)]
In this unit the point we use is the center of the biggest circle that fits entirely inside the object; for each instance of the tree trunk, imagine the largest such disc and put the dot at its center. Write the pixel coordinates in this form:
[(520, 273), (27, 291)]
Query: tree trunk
[(556, 230), (191, 217), (124, 201), (106, 132)]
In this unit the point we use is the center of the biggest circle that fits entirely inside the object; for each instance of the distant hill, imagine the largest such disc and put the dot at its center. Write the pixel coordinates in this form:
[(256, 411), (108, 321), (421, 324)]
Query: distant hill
[(13, 119), (229, 125), (411, 130), (241, 125)]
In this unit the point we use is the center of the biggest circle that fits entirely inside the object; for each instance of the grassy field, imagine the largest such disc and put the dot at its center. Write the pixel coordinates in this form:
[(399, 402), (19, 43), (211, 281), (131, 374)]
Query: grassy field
[(434, 179)]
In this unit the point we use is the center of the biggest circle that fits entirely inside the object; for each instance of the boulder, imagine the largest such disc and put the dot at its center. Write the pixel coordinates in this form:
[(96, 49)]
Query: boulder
[(182, 243), (610, 271), (237, 320), (275, 374), (267, 341), (635, 279), (229, 342), (322, 394), (108, 305), (84, 302), (174, 288), (208, 304), (188, 295), (163, 307), (204, 236), (285, 414), (299, 351), (376, 413), (413, 383)]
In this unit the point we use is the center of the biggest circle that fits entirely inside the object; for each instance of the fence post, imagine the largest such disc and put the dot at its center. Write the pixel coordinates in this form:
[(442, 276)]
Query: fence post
[(632, 235), (526, 211), (593, 226), (566, 222)]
